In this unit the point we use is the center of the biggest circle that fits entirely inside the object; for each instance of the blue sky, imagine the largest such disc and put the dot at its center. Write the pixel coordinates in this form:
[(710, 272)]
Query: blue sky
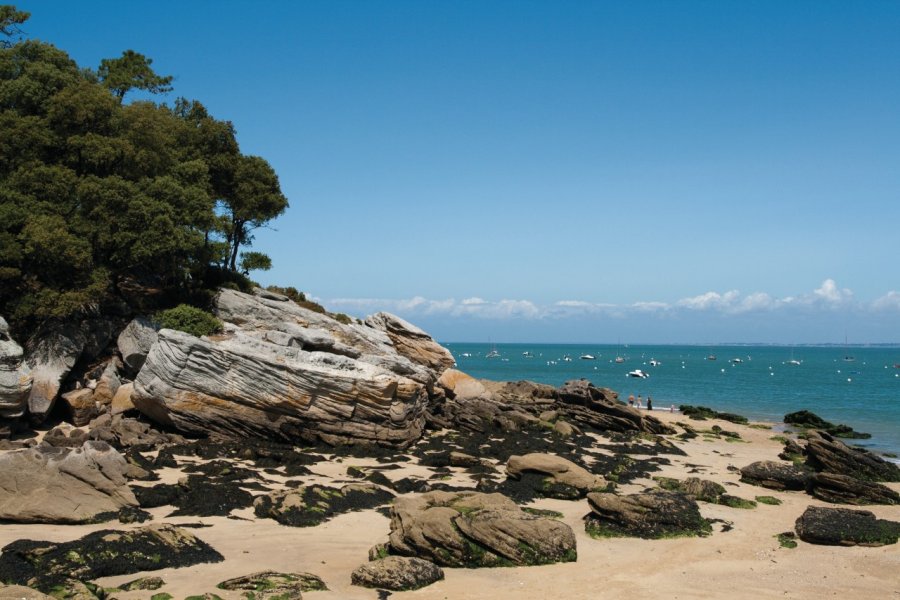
[(557, 171)]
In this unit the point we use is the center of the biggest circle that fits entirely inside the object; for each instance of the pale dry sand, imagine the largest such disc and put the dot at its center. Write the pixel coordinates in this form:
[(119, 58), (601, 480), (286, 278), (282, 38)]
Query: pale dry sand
[(745, 562)]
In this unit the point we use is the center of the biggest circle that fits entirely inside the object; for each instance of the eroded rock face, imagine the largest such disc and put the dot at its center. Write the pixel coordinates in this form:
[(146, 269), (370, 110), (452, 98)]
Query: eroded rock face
[(63, 485), (561, 478), (650, 515), (397, 573), (582, 402), (843, 489), (776, 475), (845, 527), (52, 353), (412, 342), (240, 386), (825, 453), (46, 565), (135, 341), (15, 376), (271, 585), (471, 529)]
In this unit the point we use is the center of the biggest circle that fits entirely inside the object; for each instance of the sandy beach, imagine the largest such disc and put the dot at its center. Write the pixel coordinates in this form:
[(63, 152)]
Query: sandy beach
[(741, 558)]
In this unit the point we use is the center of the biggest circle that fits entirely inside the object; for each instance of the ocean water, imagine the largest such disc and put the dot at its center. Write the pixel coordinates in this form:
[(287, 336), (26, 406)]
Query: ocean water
[(863, 393)]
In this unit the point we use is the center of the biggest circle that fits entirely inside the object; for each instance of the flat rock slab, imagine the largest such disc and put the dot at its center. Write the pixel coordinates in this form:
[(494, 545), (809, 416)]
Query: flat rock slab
[(397, 573), (271, 585), (776, 475), (650, 515), (845, 527), (44, 565), (561, 477), (843, 489), (63, 485), (470, 529), (826, 453)]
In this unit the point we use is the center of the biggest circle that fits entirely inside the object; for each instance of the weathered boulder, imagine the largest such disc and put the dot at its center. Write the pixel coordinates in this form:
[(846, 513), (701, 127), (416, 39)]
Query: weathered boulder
[(121, 401), (471, 529), (461, 386), (805, 419), (123, 432), (704, 490), (46, 565), (397, 573), (483, 413), (649, 515), (15, 376), (239, 386), (135, 341), (307, 506), (776, 475), (825, 453), (62, 485), (81, 406), (581, 401), (412, 342), (20, 592), (108, 383), (54, 350), (271, 585), (560, 478), (845, 527), (843, 489)]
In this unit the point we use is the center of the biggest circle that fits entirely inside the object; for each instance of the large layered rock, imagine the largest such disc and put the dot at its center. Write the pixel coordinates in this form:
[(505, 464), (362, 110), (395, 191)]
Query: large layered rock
[(825, 453), (470, 529), (15, 376), (63, 485), (558, 477), (845, 527), (49, 565), (842, 489), (242, 386), (412, 342), (54, 350), (581, 401), (650, 515)]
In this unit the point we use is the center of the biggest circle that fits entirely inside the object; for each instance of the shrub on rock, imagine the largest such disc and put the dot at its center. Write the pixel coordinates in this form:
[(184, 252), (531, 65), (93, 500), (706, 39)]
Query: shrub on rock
[(189, 319)]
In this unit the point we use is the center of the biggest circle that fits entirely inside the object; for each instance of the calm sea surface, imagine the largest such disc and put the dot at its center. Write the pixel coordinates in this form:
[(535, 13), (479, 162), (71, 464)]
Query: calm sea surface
[(863, 393)]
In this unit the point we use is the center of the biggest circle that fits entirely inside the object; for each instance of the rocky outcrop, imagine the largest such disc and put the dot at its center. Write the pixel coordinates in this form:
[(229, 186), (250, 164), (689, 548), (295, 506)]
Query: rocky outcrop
[(597, 407), (470, 529), (240, 386), (704, 490), (845, 527), (15, 376), (558, 477), (46, 565), (649, 515), (411, 342), (135, 341), (805, 419), (842, 489), (62, 485), (20, 592), (397, 573), (53, 352), (825, 453), (776, 475)]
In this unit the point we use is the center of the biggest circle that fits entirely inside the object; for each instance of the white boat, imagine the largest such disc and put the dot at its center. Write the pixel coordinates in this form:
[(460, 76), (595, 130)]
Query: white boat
[(654, 362), (737, 360), (620, 360), (793, 361), (492, 354), (638, 373), (466, 355), (527, 354), (588, 357), (567, 358), (711, 357)]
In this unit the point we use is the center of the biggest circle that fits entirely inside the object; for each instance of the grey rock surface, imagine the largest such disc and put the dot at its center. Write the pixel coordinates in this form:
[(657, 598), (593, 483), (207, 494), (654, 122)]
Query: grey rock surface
[(397, 573), (135, 341), (15, 376)]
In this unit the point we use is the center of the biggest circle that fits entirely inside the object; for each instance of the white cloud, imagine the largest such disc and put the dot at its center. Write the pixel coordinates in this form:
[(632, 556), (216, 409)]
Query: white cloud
[(574, 304), (890, 301), (830, 293), (474, 301), (710, 301)]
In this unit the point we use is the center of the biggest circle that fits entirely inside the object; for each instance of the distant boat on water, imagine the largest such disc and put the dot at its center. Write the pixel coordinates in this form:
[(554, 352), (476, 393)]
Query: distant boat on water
[(711, 357), (588, 357), (493, 353), (737, 360), (527, 354), (654, 362), (638, 373)]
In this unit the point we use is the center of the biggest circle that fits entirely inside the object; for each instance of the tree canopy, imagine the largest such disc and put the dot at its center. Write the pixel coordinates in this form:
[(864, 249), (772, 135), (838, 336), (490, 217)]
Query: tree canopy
[(95, 192)]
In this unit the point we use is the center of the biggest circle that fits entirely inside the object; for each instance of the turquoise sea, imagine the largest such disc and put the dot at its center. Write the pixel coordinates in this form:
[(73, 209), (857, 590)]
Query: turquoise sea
[(863, 393)]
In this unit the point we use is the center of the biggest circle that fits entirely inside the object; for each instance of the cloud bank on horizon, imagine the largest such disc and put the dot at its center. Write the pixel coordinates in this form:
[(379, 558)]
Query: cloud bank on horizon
[(815, 316)]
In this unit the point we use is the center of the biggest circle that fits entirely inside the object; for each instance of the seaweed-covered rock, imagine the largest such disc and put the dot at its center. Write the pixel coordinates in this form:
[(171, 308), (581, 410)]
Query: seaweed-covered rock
[(845, 527), (470, 529), (704, 491), (701, 413), (561, 478), (581, 401), (397, 573), (63, 485), (825, 453), (805, 419), (196, 496), (44, 565), (271, 585), (776, 475), (843, 489), (310, 505), (650, 515), (144, 583)]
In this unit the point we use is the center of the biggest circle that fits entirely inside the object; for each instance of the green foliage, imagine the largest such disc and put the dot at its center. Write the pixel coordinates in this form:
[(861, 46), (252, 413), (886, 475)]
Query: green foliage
[(94, 192), (787, 540), (290, 292), (342, 318), (771, 500), (255, 261), (189, 319), (132, 71)]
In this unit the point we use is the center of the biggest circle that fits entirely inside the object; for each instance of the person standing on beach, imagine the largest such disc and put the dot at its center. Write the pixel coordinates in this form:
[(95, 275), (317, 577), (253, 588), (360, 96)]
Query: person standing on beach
[(639, 407), (631, 400), (649, 403)]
